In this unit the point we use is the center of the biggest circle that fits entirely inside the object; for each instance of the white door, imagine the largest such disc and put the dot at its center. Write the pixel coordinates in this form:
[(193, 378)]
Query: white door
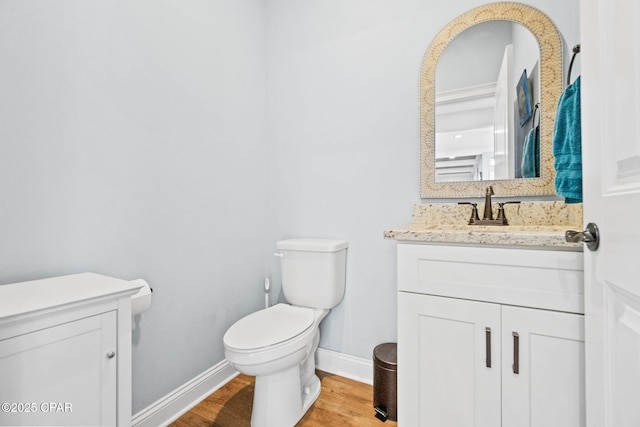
[(542, 368), (60, 376), (503, 116), (610, 39), (448, 362)]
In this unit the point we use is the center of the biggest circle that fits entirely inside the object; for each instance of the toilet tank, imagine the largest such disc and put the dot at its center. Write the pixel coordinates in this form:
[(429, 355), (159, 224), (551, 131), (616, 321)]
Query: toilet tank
[(313, 271)]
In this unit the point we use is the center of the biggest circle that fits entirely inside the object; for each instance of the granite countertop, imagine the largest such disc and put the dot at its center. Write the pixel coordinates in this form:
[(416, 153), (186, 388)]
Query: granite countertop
[(533, 224)]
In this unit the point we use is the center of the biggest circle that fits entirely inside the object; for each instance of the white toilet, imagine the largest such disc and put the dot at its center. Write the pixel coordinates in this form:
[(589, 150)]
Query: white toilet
[(277, 345)]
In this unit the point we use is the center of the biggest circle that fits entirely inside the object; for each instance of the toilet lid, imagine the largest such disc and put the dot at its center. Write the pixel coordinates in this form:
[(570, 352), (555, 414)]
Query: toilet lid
[(268, 327)]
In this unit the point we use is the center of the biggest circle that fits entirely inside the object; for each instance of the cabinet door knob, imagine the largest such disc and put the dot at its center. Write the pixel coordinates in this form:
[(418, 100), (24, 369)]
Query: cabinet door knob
[(111, 354)]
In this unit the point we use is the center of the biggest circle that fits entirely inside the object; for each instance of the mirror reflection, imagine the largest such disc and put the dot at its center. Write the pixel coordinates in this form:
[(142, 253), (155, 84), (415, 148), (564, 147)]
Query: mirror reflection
[(487, 88)]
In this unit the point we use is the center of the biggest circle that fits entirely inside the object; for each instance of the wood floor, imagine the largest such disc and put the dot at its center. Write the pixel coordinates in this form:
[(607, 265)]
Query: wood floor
[(342, 402)]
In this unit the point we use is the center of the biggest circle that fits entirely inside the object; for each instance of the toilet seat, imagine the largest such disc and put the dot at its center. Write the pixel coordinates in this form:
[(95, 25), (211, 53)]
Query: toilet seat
[(269, 327)]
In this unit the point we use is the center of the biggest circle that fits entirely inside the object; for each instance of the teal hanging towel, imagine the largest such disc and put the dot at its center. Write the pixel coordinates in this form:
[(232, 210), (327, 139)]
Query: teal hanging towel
[(530, 166), (567, 145)]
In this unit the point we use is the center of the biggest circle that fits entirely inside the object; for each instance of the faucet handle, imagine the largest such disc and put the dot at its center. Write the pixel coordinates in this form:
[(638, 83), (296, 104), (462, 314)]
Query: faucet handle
[(501, 215), (474, 212)]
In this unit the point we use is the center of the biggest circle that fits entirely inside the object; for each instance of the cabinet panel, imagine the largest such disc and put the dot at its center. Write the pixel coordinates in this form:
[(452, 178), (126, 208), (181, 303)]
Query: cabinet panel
[(442, 362), (549, 388), (61, 376)]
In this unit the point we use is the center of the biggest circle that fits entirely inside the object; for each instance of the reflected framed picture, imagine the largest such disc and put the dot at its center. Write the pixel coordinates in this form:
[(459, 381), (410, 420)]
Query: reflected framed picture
[(525, 110)]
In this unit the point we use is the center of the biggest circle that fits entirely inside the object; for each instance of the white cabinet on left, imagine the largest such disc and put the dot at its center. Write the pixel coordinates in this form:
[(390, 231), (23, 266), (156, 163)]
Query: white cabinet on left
[(65, 351)]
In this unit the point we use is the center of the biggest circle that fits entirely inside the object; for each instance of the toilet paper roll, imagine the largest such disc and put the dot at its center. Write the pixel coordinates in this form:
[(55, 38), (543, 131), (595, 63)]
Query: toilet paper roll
[(141, 300)]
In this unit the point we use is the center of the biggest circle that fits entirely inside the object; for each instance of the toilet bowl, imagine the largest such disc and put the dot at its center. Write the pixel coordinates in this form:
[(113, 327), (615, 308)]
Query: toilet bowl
[(277, 345)]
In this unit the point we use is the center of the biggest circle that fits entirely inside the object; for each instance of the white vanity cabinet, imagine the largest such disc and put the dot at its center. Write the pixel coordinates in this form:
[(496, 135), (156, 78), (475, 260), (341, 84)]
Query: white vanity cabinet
[(65, 351), (490, 336)]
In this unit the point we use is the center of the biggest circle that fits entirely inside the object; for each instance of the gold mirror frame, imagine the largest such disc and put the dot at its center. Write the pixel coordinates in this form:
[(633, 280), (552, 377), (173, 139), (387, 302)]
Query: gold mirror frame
[(551, 86)]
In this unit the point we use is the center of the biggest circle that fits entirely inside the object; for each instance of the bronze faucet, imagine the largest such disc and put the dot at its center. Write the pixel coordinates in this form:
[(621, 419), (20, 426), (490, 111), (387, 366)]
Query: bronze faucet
[(487, 217)]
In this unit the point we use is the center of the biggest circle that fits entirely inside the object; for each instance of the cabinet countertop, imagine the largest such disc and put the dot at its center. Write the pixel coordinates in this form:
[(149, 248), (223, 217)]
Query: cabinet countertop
[(18, 299), (541, 236)]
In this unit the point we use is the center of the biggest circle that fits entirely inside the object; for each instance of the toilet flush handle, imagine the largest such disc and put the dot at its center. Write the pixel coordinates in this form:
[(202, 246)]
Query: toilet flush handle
[(278, 254)]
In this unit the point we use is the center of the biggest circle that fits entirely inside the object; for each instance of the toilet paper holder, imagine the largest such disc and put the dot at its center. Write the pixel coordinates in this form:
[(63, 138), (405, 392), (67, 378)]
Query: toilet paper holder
[(141, 300)]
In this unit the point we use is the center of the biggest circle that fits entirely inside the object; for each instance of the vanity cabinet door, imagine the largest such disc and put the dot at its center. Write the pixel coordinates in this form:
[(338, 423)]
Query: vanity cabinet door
[(65, 375), (448, 362), (548, 389)]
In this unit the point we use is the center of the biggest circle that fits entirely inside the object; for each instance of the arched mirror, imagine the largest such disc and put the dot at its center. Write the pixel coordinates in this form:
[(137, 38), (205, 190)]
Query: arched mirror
[(490, 83)]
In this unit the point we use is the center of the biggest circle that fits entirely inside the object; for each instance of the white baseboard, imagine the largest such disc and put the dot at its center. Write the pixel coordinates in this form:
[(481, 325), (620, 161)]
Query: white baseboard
[(345, 365), (170, 407)]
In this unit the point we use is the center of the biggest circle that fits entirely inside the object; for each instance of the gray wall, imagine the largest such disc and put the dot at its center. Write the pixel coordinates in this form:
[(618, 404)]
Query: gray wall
[(132, 143), (177, 140)]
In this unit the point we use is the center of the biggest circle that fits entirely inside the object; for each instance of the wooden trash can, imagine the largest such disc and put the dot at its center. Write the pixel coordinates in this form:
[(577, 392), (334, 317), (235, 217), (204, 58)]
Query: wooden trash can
[(385, 381)]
